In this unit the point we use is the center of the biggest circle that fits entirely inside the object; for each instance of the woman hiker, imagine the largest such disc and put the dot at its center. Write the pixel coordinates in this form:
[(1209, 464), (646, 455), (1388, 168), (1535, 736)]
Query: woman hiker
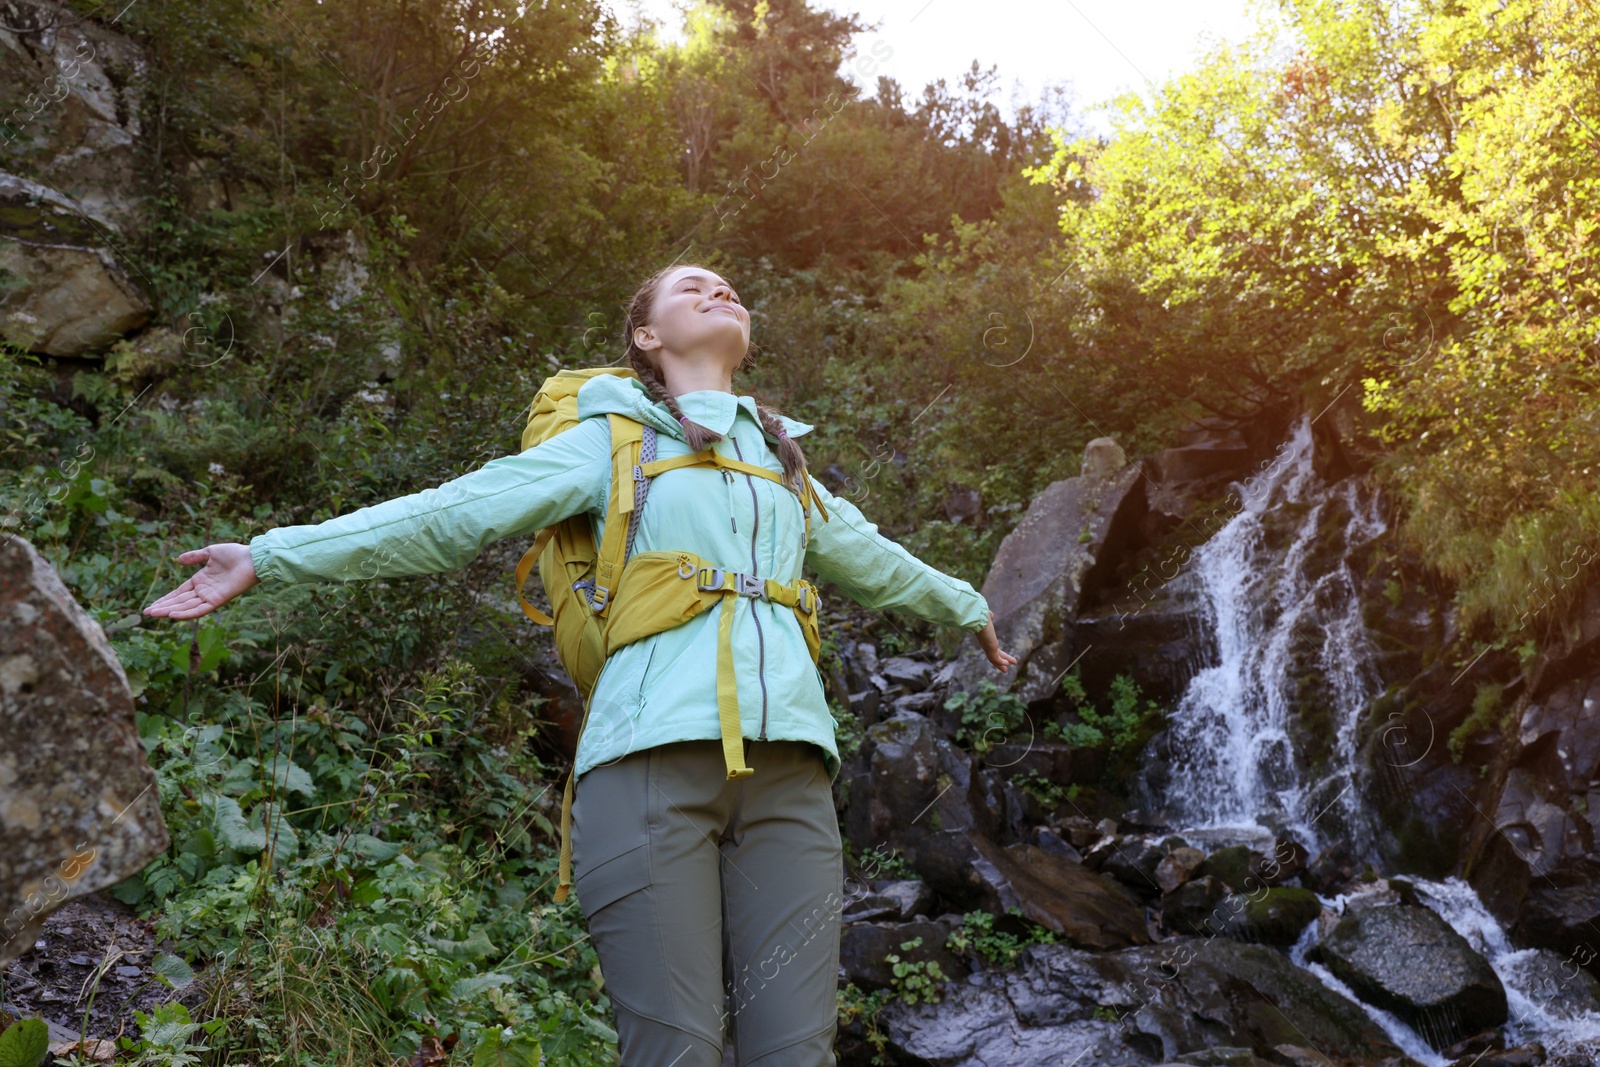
[(700, 892)]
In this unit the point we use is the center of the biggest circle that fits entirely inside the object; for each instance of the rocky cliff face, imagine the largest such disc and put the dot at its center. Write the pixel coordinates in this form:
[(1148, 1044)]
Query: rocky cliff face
[(69, 113)]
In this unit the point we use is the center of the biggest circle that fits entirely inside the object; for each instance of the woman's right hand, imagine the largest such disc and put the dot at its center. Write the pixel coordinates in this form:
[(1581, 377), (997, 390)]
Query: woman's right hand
[(990, 643), (228, 572)]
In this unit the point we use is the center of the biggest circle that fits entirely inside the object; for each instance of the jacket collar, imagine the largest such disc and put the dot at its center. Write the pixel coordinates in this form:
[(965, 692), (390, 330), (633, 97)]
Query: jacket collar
[(711, 408)]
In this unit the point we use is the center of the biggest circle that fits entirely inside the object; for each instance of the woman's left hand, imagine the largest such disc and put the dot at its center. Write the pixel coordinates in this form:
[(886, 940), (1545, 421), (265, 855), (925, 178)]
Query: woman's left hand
[(990, 643)]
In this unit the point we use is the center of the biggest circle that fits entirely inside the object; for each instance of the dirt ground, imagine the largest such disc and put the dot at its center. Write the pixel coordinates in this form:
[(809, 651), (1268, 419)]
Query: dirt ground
[(55, 978)]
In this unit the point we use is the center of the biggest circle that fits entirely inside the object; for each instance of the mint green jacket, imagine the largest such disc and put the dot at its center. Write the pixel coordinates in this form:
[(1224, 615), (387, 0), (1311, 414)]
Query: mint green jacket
[(664, 687)]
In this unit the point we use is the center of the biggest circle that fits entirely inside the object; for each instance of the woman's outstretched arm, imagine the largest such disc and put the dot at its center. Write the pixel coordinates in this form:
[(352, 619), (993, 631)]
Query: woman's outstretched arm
[(434, 530), (849, 551)]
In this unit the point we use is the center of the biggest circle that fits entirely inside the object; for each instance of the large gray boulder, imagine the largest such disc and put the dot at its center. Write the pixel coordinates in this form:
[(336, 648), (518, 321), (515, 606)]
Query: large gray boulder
[(78, 804), (1048, 567), (1407, 960)]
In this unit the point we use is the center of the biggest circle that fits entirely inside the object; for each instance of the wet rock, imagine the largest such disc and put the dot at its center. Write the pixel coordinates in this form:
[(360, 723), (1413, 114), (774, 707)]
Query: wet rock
[(1088, 909), (1222, 1056), (1177, 867), (1408, 961), (892, 782), (78, 805), (861, 666), (1192, 907), (1055, 761), (869, 907), (865, 705), (1532, 1054), (864, 948), (1052, 842), (1276, 916), (1130, 860), (1476, 1045), (1331, 871), (1079, 831), (920, 703), (913, 791), (1139, 1005), (1238, 867), (1147, 632), (891, 900)]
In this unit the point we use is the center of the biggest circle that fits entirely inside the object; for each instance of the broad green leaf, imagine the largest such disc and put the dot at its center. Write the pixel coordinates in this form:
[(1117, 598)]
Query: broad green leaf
[(373, 848), (467, 988), (496, 1050), (290, 776), (475, 947), (25, 1043), (234, 831), (172, 970)]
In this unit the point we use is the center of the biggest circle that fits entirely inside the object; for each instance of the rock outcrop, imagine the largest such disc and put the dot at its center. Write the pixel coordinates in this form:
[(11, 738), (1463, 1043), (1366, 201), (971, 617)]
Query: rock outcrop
[(78, 804), (68, 195), (69, 295), (1050, 564)]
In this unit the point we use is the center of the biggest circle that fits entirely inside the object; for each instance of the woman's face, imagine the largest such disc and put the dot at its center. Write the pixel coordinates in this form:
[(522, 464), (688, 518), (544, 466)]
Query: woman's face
[(696, 313)]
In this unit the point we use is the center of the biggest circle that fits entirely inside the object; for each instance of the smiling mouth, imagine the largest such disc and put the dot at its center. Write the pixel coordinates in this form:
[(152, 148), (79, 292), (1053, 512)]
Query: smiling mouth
[(728, 309)]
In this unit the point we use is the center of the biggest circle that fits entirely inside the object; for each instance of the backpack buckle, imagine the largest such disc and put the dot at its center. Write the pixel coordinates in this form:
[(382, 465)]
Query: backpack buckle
[(601, 595), (804, 597), (749, 584), (720, 576)]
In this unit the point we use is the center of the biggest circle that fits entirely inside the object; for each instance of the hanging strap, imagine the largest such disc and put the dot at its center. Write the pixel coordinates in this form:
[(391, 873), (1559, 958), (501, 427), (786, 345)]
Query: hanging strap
[(525, 567)]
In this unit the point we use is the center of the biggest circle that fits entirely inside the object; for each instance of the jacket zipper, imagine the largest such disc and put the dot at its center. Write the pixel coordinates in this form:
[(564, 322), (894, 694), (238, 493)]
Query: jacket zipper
[(761, 641)]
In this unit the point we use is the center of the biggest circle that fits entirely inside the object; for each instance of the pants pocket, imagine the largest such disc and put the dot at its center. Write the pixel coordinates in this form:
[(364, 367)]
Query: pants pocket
[(611, 831), (613, 879)]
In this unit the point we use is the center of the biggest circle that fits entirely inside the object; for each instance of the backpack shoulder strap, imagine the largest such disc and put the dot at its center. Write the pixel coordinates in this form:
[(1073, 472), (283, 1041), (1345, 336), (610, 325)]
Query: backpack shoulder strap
[(627, 437)]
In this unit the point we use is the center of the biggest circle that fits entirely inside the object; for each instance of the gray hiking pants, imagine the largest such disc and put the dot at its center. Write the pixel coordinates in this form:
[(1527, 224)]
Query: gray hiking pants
[(714, 903)]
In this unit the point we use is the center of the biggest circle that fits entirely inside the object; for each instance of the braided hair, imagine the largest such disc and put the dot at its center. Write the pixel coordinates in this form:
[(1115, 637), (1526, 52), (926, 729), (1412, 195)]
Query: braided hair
[(639, 311)]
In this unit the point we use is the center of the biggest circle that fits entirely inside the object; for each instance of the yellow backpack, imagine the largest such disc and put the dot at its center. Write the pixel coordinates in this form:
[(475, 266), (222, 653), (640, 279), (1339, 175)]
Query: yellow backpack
[(652, 590)]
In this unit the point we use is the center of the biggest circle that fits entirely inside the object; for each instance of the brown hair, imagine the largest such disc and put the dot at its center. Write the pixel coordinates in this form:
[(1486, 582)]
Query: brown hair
[(640, 308)]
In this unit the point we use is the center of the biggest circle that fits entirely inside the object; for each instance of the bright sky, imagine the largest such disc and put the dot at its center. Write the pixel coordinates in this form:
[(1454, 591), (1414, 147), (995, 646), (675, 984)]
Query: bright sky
[(1099, 47)]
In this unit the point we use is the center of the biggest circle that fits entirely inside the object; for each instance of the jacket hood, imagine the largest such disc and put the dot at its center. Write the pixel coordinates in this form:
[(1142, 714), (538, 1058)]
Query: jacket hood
[(621, 394)]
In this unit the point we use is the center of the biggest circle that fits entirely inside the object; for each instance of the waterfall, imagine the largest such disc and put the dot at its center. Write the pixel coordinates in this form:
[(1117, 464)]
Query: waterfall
[(1273, 609), (1263, 741)]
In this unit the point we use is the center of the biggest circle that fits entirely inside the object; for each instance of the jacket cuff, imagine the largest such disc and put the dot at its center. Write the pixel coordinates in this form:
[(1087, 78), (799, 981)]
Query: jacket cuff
[(978, 618), (261, 559)]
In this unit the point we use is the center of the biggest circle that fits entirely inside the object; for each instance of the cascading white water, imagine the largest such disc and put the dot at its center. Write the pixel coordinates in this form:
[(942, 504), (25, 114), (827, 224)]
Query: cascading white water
[(1234, 765), (1281, 605)]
